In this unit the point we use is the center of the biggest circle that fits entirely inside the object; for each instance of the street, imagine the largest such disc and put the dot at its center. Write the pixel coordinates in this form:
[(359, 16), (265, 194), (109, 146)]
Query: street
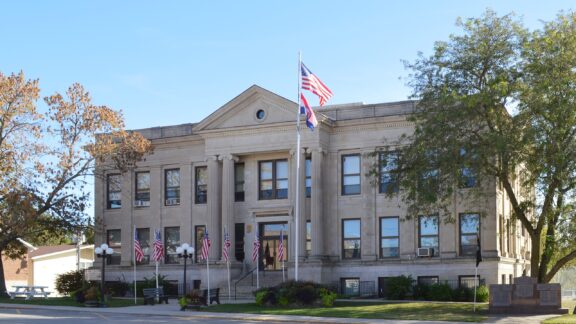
[(21, 316)]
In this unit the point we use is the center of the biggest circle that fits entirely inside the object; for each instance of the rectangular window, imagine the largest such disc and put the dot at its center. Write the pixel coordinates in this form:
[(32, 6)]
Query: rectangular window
[(114, 189), (468, 281), (350, 286), (501, 235), (239, 241), (503, 279), (144, 238), (351, 174), (171, 242), (308, 180), (239, 182), (467, 175), (351, 239), (428, 233), (273, 177), (308, 238), (388, 162), (469, 231), (199, 230), (201, 185), (114, 240), (389, 237), (172, 187), (428, 280), (142, 198), (510, 279)]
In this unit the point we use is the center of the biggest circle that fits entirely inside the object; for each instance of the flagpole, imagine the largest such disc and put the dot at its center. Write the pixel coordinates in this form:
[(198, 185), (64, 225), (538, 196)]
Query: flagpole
[(297, 211), (227, 260), (134, 254)]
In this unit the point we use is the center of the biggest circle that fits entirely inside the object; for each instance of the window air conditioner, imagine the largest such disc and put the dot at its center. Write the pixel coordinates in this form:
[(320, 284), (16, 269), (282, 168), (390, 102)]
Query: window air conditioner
[(425, 252), (141, 203), (172, 201)]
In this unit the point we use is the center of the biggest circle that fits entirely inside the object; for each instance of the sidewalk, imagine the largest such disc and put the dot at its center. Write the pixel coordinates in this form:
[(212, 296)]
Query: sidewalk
[(173, 309)]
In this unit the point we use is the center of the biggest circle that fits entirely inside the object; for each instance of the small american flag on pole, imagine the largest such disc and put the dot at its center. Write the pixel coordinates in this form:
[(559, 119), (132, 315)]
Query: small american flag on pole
[(227, 245), (138, 253), (256, 250), (312, 83), (158, 247), (205, 245), (281, 247)]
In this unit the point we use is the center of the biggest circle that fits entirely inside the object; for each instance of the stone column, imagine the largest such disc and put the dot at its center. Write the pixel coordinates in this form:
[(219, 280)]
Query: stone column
[(228, 191), (316, 203), (214, 204), (302, 207)]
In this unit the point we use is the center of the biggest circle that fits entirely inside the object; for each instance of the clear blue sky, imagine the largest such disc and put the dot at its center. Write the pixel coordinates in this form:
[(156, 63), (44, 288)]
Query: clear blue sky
[(172, 62)]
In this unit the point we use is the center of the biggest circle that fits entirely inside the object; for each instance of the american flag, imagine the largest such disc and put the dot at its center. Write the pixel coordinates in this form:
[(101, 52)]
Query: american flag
[(205, 246), (256, 250), (226, 246), (281, 247), (158, 247), (138, 253), (311, 120), (312, 83)]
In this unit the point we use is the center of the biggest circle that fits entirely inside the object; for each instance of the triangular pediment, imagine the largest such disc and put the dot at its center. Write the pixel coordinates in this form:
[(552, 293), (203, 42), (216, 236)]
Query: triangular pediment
[(253, 107)]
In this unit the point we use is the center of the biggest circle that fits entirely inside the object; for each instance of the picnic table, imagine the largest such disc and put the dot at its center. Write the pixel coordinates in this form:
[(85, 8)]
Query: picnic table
[(29, 292)]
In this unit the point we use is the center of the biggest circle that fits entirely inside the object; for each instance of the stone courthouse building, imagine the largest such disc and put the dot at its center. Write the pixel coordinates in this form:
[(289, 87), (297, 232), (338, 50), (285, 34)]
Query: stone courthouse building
[(236, 171)]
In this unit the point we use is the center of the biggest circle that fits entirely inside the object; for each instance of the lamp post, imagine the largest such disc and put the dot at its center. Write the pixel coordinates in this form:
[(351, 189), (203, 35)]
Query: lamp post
[(185, 251), (103, 251)]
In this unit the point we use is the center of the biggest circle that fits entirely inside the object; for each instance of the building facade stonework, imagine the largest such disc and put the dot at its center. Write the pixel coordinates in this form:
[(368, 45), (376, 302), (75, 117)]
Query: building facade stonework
[(235, 171)]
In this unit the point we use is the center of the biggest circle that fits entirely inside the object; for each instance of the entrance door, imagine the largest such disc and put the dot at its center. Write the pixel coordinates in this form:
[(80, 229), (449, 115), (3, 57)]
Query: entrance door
[(270, 244)]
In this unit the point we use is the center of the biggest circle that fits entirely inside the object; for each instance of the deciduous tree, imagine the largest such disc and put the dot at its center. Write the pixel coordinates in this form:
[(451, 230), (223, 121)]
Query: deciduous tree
[(45, 159)]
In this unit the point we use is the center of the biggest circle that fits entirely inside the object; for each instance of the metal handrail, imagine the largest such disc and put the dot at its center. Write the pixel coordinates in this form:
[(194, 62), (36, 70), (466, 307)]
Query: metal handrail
[(238, 281)]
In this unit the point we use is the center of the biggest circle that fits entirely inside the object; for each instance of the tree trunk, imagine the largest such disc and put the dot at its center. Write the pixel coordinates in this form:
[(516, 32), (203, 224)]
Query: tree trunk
[(535, 256), (3, 290)]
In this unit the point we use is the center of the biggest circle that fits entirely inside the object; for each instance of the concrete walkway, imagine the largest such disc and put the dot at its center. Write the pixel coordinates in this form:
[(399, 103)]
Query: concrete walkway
[(173, 309)]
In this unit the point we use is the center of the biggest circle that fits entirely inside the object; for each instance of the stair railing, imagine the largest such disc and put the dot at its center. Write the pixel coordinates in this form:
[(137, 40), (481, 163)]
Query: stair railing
[(249, 273)]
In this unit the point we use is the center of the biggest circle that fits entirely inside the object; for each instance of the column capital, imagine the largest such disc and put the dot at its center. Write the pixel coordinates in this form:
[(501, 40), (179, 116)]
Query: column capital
[(212, 158), (320, 150), (293, 151), (228, 157)]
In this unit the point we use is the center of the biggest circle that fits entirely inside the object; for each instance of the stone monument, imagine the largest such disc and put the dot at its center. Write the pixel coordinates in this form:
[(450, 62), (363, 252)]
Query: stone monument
[(526, 296)]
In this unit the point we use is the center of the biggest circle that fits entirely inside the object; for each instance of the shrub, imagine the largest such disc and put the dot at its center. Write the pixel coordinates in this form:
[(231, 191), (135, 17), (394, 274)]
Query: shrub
[(328, 297), (440, 292), (399, 287), (69, 282), (117, 288), (295, 293), (421, 291), (482, 294), (463, 294)]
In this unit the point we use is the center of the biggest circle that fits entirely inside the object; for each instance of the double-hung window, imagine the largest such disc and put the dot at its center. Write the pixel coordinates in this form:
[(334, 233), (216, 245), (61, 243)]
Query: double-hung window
[(239, 182), (171, 242), (389, 237), (172, 187), (388, 162), (114, 188), (469, 231), (428, 233), (351, 174), (201, 185), (273, 179), (142, 189), (351, 239), (308, 180), (114, 240)]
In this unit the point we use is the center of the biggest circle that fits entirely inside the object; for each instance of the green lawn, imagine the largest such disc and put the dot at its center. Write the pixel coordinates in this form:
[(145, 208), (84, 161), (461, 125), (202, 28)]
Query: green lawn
[(565, 319), (65, 301), (462, 312)]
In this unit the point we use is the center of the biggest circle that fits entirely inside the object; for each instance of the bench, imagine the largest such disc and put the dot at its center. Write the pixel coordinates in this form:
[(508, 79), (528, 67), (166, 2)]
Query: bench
[(150, 295), (29, 292), (214, 296)]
